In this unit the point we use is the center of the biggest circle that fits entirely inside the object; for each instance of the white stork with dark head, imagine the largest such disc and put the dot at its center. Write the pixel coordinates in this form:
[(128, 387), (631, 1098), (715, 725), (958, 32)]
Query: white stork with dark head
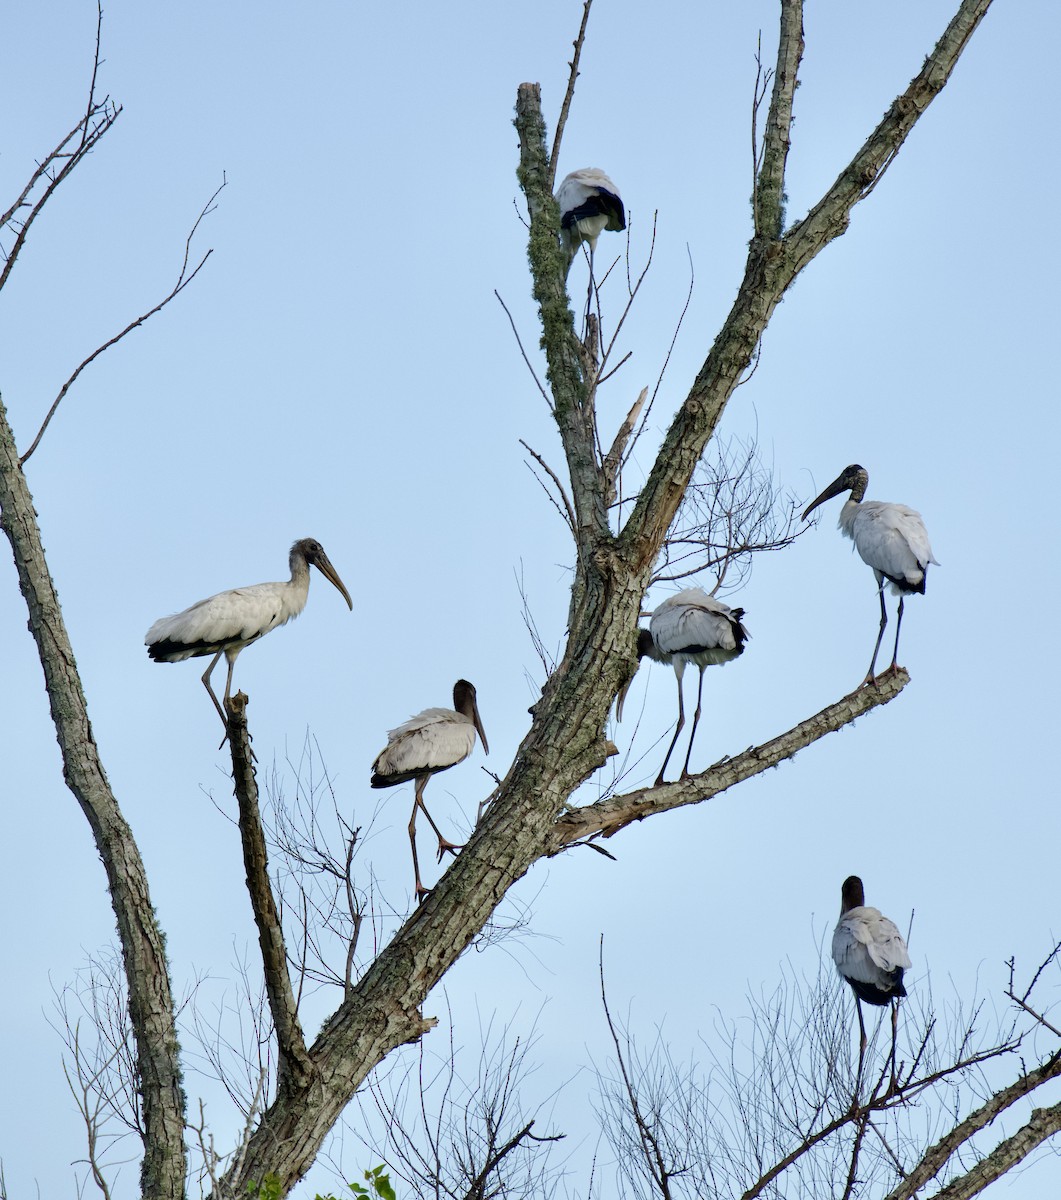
[(890, 538), (690, 627), (870, 954), (225, 623), (589, 203), (432, 741)]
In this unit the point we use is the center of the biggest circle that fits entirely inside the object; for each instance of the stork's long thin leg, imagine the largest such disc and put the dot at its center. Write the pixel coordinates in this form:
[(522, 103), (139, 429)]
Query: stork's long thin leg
[(444, 844), (883, 622), (861, 1052), (893, 1086), (589, 291), (898, 626), (678, 729), (421, 891), (696, 721), (210, 691)]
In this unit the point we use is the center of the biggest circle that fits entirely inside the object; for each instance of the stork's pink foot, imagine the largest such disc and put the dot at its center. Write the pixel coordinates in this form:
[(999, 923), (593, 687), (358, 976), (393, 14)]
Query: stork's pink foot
[(445, 846)]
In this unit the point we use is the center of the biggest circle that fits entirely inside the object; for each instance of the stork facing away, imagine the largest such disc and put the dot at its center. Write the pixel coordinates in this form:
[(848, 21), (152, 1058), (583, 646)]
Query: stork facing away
[(689, 627), (871, 956), (432, 741), (225, 623), (890, 538), (589, 203)]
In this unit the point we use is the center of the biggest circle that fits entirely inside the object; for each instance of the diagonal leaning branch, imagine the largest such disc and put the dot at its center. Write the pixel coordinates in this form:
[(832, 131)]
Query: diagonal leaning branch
[(607, 817), (774, 262), (143, 949), (1043, 1123)]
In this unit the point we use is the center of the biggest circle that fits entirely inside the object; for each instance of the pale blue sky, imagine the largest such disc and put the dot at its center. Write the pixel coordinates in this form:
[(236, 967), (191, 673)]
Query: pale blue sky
[(342, 370)]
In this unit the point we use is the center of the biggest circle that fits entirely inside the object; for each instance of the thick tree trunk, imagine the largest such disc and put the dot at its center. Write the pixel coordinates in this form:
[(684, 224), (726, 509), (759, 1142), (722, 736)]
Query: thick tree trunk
[(150, 998)]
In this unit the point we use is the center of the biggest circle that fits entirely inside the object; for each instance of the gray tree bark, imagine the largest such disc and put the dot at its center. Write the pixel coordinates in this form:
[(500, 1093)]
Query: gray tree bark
[(143, 949)]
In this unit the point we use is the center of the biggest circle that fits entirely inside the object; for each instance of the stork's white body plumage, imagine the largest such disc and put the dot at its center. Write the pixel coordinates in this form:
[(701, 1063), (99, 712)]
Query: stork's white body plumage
[(589, 204), (690, 627), (870, 954), (693, 627), (432, 741), (890, 538), (228, 621)]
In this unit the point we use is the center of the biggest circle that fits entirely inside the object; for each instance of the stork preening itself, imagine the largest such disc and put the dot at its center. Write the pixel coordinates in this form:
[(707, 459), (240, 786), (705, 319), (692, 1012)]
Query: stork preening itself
[(871, 956), (225, 623), (690, 627), (432, 741), (589, 203), (890, 538)]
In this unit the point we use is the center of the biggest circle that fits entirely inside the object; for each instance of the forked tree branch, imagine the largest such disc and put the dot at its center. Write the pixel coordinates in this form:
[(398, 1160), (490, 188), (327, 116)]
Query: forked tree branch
[(768, 200), (99, 116), (183, 280)]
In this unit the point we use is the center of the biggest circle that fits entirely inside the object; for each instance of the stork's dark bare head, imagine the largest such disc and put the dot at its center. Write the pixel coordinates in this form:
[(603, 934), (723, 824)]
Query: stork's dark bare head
[(853, 479), (310, 551), (852, 894), (464, 702)]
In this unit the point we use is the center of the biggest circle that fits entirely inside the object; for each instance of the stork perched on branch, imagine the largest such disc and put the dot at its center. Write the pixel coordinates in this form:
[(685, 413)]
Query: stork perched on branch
[(890, 538), (432, 741), (589, 203), (870, 954), (225, 623), (689, 627)]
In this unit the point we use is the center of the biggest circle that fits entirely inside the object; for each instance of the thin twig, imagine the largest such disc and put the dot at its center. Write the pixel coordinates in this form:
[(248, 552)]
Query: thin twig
[(667, 356), (569, 94), (569, 515), (99, 116), (183, 280), (519, 343), (650, 1146)]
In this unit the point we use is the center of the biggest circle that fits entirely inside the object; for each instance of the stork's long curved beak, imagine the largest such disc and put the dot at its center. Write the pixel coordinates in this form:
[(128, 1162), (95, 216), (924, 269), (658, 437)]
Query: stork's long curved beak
[(477, 722), (324, 565), (620, 700), (837, 486)]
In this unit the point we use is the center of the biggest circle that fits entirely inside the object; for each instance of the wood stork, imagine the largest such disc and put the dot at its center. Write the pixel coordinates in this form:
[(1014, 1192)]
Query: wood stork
[(690, 627), (432, 741), (589, 203), (225, 623), (871, 955), (890, 538)]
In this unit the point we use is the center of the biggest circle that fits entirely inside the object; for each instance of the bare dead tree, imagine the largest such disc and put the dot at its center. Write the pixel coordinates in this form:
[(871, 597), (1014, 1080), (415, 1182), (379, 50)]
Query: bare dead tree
[(732, 511), (92, 1019), (316, 849), (464, 1139), (772, 1114), (531, 815)]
